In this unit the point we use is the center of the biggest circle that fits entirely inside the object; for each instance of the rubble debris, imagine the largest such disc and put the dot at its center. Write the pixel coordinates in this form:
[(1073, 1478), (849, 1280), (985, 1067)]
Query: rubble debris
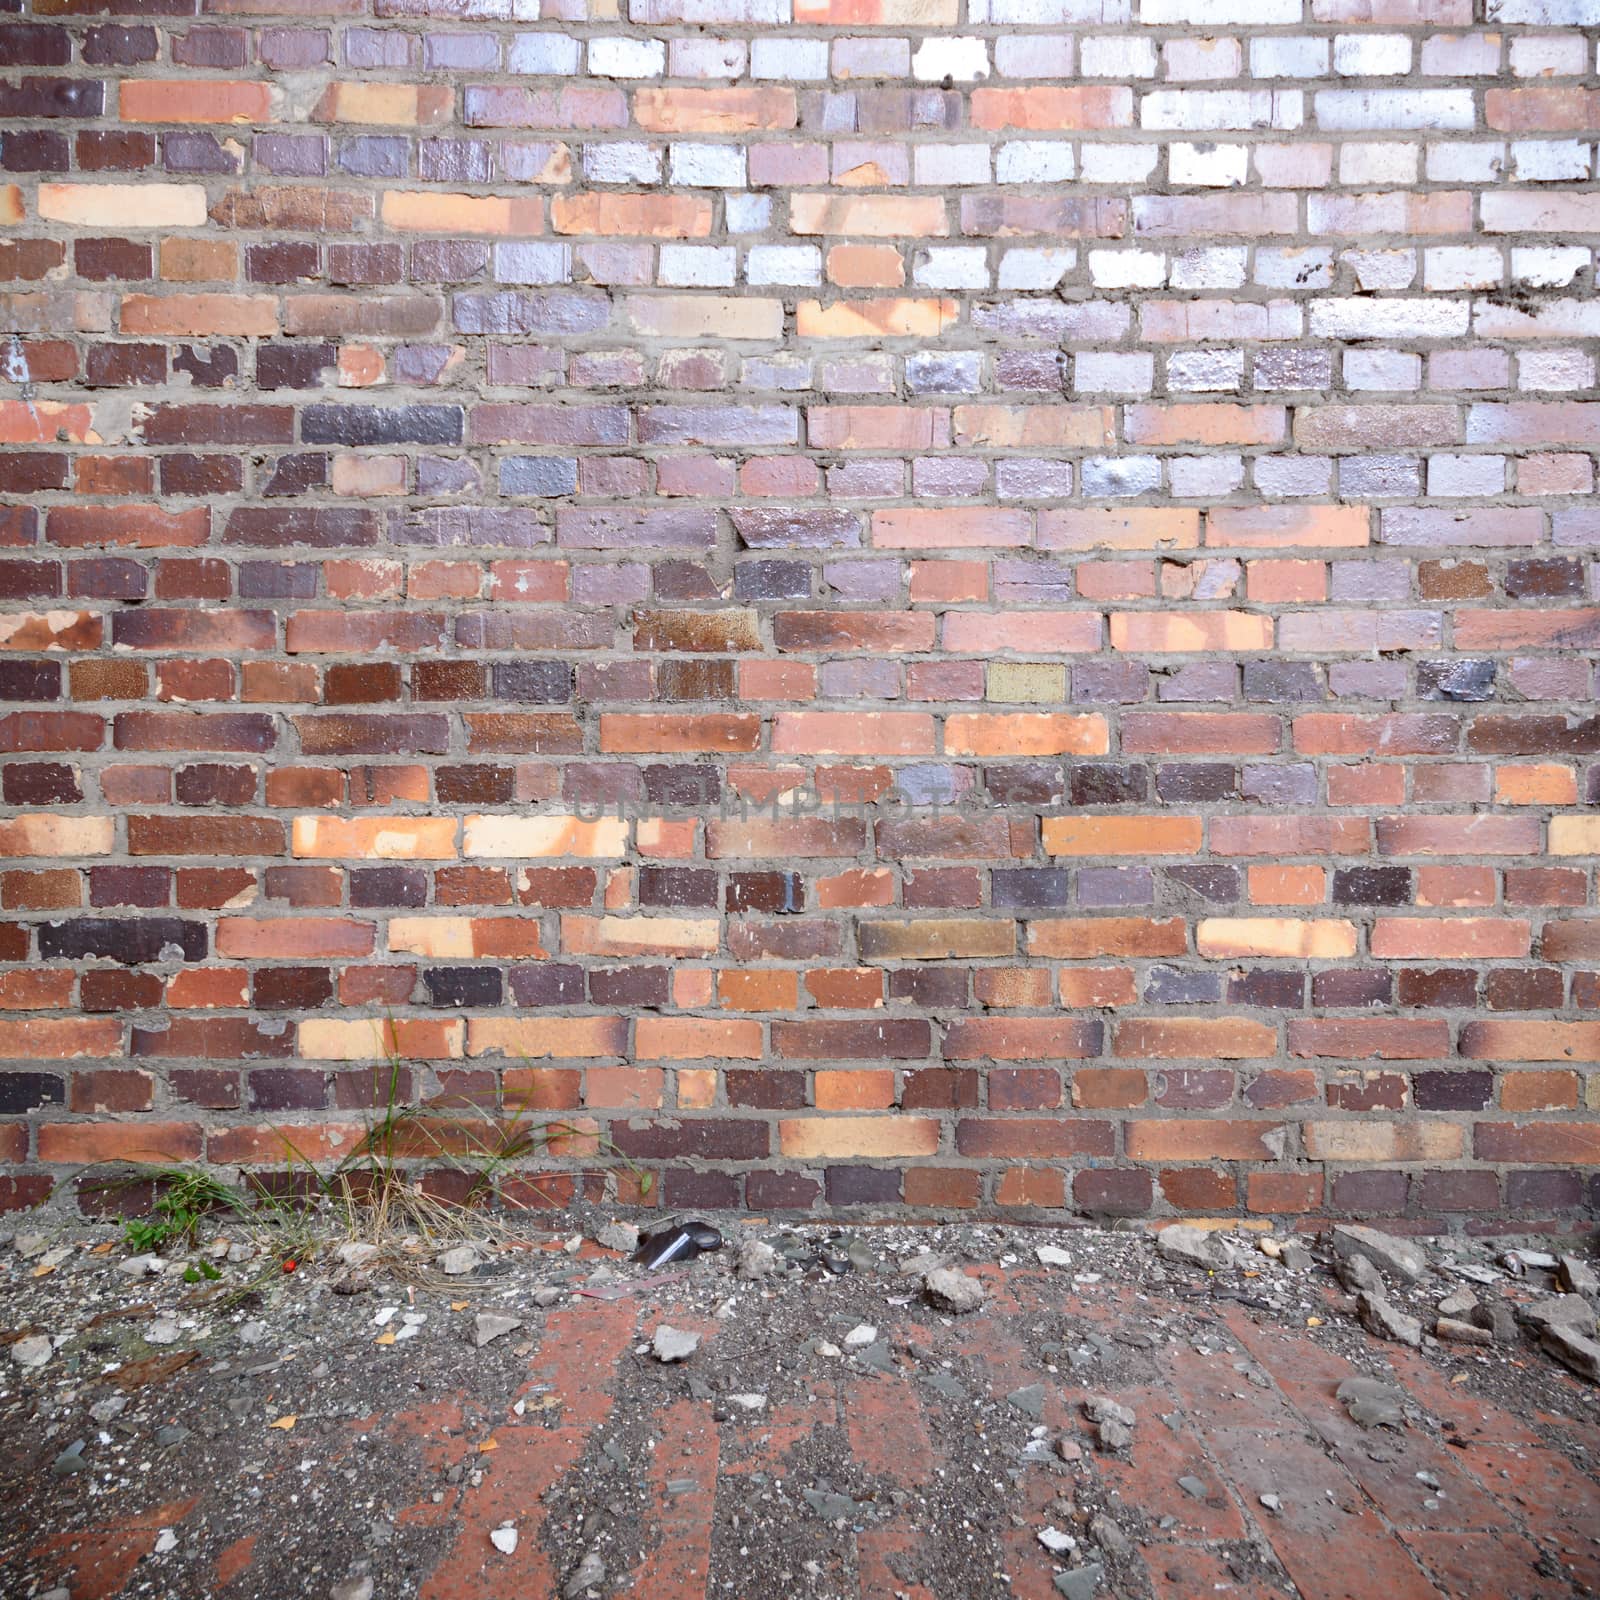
[(1080, 1583), (504, 1538), (1573, 1349), (1397, 1257), (1109, 1535), (491, 1325), (458, 1260), (678, 1241), (673, 1344), (1389, 1322), (1370, 1403), (1458, 1332), (33, 1351), (755, 1259), (1578, 1277), (623, 1236), (1199, 1247), (589, 1574), (1569, 1311), (952, 1290)]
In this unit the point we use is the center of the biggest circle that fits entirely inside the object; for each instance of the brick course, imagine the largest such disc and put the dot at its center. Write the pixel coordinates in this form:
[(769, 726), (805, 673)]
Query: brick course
[(945, 603)]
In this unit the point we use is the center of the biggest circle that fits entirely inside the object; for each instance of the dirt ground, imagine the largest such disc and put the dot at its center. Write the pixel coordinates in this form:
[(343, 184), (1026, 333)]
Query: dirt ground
[(339, 1432)]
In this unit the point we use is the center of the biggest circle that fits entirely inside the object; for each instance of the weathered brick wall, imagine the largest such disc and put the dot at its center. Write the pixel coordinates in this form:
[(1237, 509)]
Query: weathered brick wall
[(1118, 471)]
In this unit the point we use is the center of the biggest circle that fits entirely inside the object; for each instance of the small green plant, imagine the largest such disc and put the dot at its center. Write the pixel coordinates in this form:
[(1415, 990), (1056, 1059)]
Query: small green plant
[(183, 1196)]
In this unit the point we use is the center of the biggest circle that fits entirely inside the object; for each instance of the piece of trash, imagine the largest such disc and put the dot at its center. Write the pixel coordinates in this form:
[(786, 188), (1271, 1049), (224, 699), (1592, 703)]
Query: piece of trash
[(626, 1286), (682, 1241), (284, 1424)]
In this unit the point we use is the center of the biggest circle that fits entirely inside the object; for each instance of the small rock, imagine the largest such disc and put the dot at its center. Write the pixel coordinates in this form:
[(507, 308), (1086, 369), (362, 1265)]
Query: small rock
[(755, 1258), (623, 1236), (142, 1266), (824, 1348), (1069, 1449), (458, 1261), (1109, 1535), (1458, 1304), (1578, 1276), (549, 1296), (1029, 1401), (952, 1290), (358, 1587), (1498, 1318), (1114, 1435), (504, 1539), (1388, 1321), (357, 1253), (1080, 1583), (1101, 1408), (33, 1351), (162, 1331), (1052, 1256), (1199, 1247), (862, 1333), (1458, 1332), (1570, 1311), (591, 1571), (491, 1325), (673, 1344), (1272, 1503), (70, 1460), (1193, 1487), (1371, 1403), (1359, 1275), (1057, 1542), (748, 1402), (1398, 1257), (1297, 1258), (29, 1245), (1573, 1350), (166, 1540)]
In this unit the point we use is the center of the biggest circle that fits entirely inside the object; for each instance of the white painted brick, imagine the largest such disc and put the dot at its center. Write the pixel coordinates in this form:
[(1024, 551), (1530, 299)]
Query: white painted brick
[(1113, 372), (1117, 58), (707, 58), (1047, 13), (953, 267), (955, 164), (1561, 371), (1461, 55), (748, 213), (1462, 267), (1382, 269), (1219, 166), (1034, 161), (1198, 60), (1350, 110), (627, 58), (1561, 55), (1288, 57), (1205, 371), (711, 166), (1035, 55), (1117, 163), (1371, 55), (1546, 13), (1036, 269), (798, 60), (1222, 108), (1362, 162), (1194, 477), (1466, 475), (1127, 269), (532, 261), (1549, 266), (697, 266), (1389, 319), (1202, 14), (1549, 160), (1450, 162), (783, 263), (1396, 370), (622, 162), (871, 58), (1295, 267), (1292, 477), (544, 55), (1217, 267), (960, 60)]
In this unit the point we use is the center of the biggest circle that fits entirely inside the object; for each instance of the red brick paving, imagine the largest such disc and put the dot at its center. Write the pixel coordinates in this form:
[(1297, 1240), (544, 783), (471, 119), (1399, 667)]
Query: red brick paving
[(1355, 1521)]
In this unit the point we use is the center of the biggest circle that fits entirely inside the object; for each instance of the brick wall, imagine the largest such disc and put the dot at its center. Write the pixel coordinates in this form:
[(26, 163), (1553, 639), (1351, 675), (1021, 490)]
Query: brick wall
[(946, 603)]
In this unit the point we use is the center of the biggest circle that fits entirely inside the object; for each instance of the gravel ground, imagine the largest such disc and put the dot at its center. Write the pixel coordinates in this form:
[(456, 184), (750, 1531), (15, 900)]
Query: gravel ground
[(343, 1417)]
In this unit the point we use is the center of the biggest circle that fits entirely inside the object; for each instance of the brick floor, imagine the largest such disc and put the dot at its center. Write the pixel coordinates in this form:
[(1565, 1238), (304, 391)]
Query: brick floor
[(1507, 1510)]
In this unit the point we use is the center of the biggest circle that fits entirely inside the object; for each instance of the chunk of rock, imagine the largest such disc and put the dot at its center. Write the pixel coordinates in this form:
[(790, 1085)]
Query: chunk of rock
[(504, 1539), (1578, 1277), (1114, 1435), (1498, 1318), (1357, 1273), (1398, 1257), (457, 1261), (1081, 1583), (1199, 1247), (33, 1351), (755, 1258), (952, 1290), (862, 1334), (1371, 1403), (142, 1266), (358, 1587), (674, 1344), (1570, 1311), (1387, 1321), (1109, 1535), (355, 1253), (590, 1573), (1102, 1408), (1055, 1541), (1458, 1304), (1573, 1350), (623, 1236), (491, 1325), (1458, 1332), (162, 1331), (1053, 1256)]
